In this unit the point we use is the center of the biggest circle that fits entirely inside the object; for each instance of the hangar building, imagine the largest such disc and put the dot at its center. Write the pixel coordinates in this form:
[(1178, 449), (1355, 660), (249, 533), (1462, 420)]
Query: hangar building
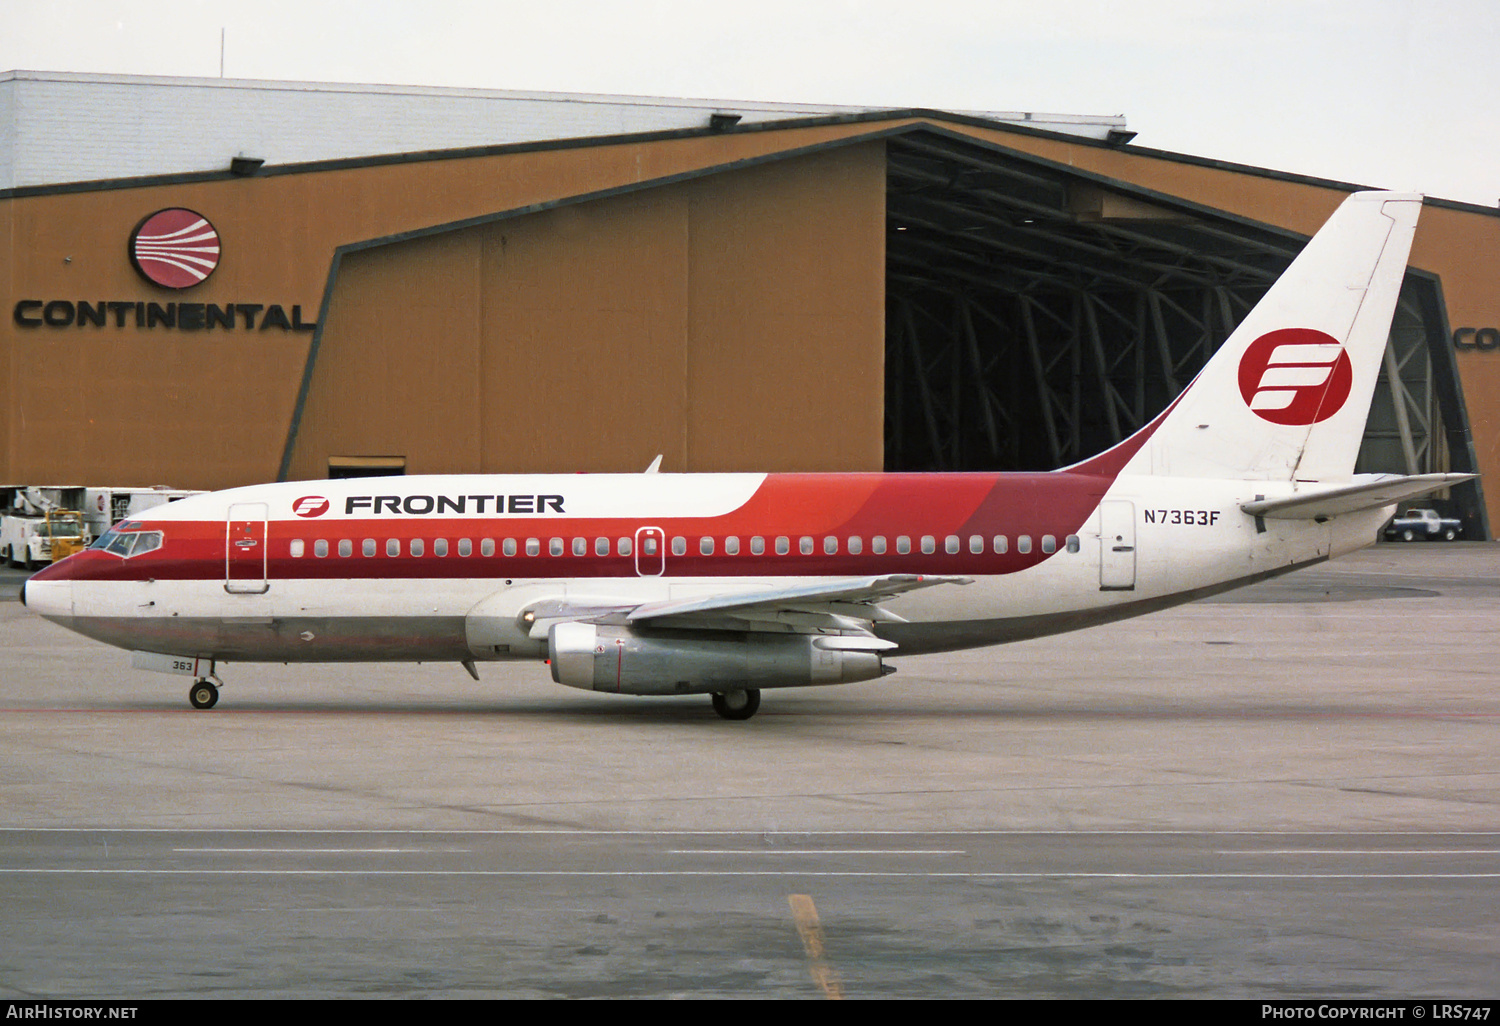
[(213, 283)]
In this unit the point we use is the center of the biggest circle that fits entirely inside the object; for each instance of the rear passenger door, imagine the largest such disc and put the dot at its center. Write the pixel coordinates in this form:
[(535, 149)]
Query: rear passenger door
[(1116, 545)]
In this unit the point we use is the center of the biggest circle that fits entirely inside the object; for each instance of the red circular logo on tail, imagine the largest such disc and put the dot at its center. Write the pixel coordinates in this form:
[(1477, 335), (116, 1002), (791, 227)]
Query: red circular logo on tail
[(175, 248), (1295, 376), (310, 506)]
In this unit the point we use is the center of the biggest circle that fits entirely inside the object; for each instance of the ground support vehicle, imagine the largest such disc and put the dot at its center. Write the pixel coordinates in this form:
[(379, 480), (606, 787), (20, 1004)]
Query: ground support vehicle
[(36, 541)]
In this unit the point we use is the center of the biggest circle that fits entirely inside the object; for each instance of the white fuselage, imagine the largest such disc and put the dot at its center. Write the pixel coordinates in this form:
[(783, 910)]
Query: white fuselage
[(1151, 542)]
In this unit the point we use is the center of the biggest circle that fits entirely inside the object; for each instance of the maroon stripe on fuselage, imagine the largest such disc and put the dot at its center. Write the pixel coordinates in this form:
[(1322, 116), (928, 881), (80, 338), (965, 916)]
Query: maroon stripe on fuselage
[(966, 506)]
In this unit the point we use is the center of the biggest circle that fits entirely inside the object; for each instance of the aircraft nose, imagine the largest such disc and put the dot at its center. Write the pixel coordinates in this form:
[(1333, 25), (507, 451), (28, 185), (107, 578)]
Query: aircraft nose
[(51, 599)]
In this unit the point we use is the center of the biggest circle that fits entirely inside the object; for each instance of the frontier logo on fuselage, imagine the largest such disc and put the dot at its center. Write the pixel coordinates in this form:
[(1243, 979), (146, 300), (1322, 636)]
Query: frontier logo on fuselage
[(1295, 376), (422, 505), (310, 506)]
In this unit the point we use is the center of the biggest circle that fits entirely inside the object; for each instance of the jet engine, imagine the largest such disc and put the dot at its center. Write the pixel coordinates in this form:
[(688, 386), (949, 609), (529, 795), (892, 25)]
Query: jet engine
[(681, 662)]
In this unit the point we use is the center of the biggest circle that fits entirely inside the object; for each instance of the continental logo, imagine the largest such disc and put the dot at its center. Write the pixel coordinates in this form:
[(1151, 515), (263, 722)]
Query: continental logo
[(422, 505), (125, 313), (175, 248)]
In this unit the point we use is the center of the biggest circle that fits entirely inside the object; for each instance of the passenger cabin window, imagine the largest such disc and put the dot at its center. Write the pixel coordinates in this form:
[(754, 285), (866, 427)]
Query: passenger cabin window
[(555, 546), (367, 546), (903, 544), (622, 547), (297, 548), (1049, 544), (950, 544), (731, 546), (757, 546), (346, 547), (418, 547), (440, 547), (1023, 544), (320, 547), (533, 546), (805, 545), (601, 546), (1002, 544), (929, 544), (465, 547), (486, 547), (856, 545), (580, 546), (1073, 544), (508, 546), (679, 546), (830, 546), (392, 547), (976, 544), (783, 545), (877, 545)]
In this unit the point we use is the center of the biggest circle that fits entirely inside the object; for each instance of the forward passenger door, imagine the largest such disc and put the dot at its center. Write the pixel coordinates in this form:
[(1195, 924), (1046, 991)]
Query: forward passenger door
[(245, 544)]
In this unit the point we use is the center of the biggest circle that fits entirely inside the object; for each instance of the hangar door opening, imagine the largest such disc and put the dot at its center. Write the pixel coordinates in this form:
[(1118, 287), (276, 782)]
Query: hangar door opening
[(1035, 318)]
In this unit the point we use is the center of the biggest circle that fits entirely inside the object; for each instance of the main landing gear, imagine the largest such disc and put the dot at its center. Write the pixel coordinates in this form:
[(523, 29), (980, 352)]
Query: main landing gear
[(737, 704), (203, 694)]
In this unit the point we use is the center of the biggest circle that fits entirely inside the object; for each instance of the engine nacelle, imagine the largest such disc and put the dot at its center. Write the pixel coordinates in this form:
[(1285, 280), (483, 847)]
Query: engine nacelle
[(595, 658)]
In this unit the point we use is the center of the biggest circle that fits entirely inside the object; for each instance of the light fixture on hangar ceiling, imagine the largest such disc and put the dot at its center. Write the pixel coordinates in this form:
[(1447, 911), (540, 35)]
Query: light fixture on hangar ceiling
[(722, 122), (245, 166)]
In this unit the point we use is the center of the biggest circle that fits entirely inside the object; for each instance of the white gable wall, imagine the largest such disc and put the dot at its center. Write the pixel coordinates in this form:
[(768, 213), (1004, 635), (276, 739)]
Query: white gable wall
[(57, 127)]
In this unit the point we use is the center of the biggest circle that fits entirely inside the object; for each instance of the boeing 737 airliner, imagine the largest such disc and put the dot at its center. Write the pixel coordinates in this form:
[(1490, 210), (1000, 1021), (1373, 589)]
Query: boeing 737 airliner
[(725, 584)]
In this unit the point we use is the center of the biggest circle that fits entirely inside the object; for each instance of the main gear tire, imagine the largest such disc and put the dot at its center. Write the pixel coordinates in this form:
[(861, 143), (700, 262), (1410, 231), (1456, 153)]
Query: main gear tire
[(739, 704)]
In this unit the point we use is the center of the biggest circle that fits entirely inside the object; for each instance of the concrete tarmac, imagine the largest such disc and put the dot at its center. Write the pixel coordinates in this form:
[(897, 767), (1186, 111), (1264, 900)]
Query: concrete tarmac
[(1286, 793)]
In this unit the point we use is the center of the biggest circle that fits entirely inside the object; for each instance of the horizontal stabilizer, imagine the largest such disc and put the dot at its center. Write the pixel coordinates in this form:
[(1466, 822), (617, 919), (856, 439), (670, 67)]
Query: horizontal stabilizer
[(1385, 490)]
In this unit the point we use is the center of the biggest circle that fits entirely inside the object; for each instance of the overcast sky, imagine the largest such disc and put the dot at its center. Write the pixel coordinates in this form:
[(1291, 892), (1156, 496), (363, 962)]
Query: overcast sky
[(1401, 94)]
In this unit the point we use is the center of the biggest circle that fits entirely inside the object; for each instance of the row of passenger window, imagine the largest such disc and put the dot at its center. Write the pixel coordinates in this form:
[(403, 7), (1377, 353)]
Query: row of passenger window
[(707, 546)]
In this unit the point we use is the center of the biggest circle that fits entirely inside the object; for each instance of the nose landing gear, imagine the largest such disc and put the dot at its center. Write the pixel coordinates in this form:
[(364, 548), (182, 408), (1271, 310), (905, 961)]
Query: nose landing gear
[(203, 694)]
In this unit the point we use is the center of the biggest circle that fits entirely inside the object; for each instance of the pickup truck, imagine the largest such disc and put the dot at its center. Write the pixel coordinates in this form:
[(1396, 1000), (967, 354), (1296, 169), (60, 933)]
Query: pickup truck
[(1423, 523)]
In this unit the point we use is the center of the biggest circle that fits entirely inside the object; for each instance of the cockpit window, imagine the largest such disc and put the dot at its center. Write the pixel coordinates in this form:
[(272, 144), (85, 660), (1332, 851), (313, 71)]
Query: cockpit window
[(121, 545), (128, 543)]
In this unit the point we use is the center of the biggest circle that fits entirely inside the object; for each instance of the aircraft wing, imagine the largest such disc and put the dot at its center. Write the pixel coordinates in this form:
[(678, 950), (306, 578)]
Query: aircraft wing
[(1388, 490), (865, 591), (847, 604)]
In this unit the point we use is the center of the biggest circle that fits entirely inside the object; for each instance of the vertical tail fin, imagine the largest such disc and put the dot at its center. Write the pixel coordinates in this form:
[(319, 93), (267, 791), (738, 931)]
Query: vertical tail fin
[(1287, 395)]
